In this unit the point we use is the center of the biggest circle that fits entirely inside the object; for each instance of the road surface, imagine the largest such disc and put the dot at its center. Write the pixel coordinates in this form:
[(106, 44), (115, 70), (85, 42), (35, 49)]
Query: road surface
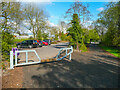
[(44, 52), (93, 69)]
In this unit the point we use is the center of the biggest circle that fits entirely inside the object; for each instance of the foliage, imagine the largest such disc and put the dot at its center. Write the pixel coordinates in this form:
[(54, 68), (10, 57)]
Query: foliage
[(110, 19), (45, 36), (54, 33), (39, 35), (8, 13), (56, 36), (31, 38), (54, 42), (80, 9), (6, 43), (82, 47), (16, 16), (80, 14), (62, 36), (93, 35), (35, 17), (76, 31)]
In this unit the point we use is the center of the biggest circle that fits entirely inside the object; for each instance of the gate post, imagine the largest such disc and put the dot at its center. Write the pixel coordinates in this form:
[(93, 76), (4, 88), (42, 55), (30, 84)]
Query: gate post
[(11, 60)]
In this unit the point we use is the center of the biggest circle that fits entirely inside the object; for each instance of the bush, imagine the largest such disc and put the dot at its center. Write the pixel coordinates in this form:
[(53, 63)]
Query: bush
[(83, 48), (7, 40), (53, 42)]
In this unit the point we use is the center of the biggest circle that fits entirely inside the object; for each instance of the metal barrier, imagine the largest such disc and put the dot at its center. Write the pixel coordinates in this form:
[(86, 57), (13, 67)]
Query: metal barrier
[(16, 61), (66, 49), (27, 63)]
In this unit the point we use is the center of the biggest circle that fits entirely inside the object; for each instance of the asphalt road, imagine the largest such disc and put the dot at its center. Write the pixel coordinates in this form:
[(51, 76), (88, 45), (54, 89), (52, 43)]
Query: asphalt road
[(44, 52), (93, 69)]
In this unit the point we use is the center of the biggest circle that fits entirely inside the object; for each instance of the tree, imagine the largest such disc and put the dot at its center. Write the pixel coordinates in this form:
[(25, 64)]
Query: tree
[(109, 18), (62, 36), (39, 35), (35, 18), (45, 36), (80, 9), (7, 26), (16, 15), (93, 35), (80, 14), (54, 32), (75, 31)]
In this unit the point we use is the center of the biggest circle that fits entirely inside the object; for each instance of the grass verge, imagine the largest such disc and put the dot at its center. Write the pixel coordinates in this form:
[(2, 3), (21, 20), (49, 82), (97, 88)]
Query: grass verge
[(112, 50)]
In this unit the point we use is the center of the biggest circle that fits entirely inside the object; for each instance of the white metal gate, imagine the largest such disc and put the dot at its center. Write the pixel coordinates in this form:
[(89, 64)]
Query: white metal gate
[(28, 63)]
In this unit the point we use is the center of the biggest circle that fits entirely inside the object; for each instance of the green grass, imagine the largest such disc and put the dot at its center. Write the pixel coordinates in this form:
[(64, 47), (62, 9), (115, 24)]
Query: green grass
[(113, 51)]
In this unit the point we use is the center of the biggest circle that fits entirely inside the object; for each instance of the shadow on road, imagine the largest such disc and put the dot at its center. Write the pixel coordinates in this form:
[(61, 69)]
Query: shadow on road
[(86, 70), (78, 74), (61, 45)]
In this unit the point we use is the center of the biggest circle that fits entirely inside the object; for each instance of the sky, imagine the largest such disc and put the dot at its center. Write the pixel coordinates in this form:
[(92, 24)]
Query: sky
[(57, 10)]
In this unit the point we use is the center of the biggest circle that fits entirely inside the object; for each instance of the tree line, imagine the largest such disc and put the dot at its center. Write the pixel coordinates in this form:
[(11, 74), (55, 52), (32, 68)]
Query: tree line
[(106, 29), (108, 25)]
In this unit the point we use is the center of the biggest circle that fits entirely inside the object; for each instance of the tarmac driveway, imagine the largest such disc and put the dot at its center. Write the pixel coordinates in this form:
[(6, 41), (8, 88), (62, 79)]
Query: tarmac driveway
[(93, 69)]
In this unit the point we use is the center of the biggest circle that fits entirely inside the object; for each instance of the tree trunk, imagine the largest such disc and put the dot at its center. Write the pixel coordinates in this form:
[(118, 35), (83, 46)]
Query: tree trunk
[(77, 46), (33, 32), (74, 45), (34, 35)]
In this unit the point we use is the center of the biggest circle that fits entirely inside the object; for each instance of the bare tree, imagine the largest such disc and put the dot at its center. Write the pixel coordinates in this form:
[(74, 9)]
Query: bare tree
[(80, 9), (35, 17)]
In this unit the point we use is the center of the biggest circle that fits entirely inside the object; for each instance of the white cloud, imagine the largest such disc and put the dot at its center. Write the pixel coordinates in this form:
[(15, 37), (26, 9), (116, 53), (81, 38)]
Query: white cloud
[(51, 24), (100, 9)]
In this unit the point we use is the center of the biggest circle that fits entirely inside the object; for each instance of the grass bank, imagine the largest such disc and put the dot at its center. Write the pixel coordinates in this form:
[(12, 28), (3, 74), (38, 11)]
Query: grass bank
[(112, 50)]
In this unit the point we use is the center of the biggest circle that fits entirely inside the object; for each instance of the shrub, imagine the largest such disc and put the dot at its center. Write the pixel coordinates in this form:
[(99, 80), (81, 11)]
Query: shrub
[(7, 40), (82, 47)]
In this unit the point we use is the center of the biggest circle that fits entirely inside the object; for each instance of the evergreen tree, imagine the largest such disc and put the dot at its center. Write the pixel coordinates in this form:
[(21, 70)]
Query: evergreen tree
[(75, 31)]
